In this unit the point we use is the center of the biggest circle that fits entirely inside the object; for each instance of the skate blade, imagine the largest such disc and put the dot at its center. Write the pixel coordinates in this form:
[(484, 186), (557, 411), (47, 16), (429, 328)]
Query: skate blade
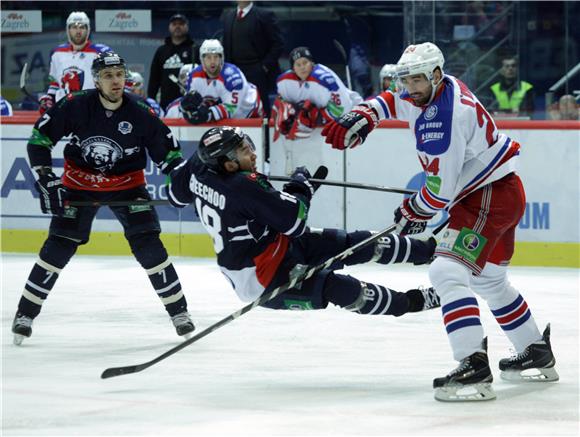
[(544, 374), (465, 393), (18, 338)]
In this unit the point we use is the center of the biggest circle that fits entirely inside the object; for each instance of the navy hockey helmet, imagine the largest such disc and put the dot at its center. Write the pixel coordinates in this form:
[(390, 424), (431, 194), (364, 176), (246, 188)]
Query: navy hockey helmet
[(301, 52), (219, 144), (105, 60)]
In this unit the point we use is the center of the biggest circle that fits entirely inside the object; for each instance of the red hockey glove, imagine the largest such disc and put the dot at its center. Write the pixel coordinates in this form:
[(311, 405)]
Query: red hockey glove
[(410, 219), (351, 129), (46, 102)]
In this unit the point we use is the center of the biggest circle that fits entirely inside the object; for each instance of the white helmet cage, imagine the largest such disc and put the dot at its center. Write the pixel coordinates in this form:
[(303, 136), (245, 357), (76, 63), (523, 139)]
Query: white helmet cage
[(78, 17), (420, 59), (211, 46), (388, 70)]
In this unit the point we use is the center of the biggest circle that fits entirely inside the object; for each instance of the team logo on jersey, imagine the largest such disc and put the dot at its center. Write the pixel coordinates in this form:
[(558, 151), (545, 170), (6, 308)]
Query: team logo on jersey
[(72, 79), (125, 127), (101, 153), (228, 71), (431, 112)]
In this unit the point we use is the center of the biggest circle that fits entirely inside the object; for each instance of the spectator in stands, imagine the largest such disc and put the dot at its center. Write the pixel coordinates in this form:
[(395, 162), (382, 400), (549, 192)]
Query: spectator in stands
[(5, 108), (70, 63), (565, 109), (179, 49), (510, 94), (253, 41)]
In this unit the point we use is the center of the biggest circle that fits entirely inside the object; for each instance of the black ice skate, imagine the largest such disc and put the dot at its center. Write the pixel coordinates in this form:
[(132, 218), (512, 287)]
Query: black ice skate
[(535, 363), (423, 299), (183, 324), (470, 381), (21, 327)]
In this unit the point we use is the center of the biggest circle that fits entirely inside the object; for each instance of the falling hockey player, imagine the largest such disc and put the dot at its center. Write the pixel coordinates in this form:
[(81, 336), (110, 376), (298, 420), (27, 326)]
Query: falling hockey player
[(261, 240), (104, 161), (471, 171)]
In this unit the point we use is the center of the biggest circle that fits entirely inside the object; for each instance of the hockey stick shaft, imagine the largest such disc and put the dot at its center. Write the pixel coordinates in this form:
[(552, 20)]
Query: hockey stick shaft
[(342, 51), (350, 185), (23, 76), (158, 202), (117, 371)]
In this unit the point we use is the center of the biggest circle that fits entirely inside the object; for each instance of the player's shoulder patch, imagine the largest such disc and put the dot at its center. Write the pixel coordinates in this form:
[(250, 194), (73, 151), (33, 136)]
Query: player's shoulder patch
[(100, 48), (324, 76), (232, 77), (257, 178)]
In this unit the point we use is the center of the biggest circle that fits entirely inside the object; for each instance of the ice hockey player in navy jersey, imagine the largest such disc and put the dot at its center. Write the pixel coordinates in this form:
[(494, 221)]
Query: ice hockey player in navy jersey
[(470, 170), (70, 63), (309, 95), (261, 239), (104, 160)]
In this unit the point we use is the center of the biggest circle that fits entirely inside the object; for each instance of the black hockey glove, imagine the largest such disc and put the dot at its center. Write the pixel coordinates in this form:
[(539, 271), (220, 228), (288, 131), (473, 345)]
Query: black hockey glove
[(300, 181), (409, 218), (52, 193), (193, 109)]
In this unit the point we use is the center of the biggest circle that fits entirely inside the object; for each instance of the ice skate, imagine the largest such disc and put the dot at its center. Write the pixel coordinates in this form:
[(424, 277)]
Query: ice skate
[(535, 363), (183, 324), (470, 381), (423, 299), (21, 327)]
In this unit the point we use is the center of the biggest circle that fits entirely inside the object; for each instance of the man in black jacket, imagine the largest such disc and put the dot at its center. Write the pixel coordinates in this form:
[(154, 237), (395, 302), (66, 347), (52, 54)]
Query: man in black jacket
[(253, 41), (179, 49)]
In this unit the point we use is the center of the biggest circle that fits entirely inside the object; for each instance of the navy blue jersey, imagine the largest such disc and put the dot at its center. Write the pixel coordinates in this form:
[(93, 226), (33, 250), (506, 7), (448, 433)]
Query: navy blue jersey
[(103, 142), (250, 222)]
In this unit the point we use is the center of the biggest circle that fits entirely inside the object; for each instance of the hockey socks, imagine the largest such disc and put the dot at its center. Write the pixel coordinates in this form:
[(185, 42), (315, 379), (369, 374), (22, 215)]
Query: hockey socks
[(164, 279), (40, 282)]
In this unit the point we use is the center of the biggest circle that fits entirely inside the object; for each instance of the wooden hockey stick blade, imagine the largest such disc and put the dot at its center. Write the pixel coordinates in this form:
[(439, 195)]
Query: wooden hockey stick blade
[(158, 202), (125, 370), (349, 185)]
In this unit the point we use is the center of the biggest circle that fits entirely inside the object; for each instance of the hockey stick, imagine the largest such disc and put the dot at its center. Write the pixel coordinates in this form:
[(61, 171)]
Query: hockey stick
[(116, 202), (342, 51), (176, 81), (350, 185), (23, 77), (118, 371)]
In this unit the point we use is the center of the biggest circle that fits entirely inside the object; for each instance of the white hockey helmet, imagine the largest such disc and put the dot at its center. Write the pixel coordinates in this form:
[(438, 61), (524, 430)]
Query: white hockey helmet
[(184, 73), (388, 70), (78, 17), (135, 80), (420, 59), (211, 46)]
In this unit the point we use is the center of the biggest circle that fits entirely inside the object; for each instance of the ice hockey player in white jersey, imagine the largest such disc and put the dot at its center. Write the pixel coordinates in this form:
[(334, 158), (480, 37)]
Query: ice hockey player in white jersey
[(173, 110), (218, 90), (387, 78), (70, 63), (470, 170), (309, 95)]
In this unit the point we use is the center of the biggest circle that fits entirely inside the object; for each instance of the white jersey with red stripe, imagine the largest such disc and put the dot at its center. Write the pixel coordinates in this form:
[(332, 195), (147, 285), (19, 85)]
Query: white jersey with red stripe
[(323, 88), (70, 70), (458, 143), (239, 98)]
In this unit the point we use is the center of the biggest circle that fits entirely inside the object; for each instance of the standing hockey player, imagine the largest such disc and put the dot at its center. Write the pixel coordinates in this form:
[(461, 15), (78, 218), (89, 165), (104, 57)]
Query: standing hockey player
[(310, 95), (70, 63), (471, 172), (104, 160), (218, 90), (260, 235)]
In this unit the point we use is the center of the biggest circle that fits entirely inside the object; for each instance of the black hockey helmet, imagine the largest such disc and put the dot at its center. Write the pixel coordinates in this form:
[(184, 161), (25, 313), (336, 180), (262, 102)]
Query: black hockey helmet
[(219, 144), (300, 52), (106, 60)]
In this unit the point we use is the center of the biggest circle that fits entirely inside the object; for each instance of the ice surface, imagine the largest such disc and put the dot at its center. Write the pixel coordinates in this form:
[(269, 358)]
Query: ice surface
[(268, 373)]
